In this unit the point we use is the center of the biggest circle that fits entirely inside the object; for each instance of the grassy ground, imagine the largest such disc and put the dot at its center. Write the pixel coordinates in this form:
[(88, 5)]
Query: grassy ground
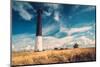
[(54, 56)]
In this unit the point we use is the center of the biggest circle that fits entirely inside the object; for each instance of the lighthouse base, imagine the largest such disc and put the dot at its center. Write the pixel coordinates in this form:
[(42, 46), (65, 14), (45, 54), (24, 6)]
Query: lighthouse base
[(38, 45)]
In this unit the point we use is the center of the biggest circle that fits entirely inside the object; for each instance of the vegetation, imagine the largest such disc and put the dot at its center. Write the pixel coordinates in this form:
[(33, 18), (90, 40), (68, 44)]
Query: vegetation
[(54, 56), (75, 45)]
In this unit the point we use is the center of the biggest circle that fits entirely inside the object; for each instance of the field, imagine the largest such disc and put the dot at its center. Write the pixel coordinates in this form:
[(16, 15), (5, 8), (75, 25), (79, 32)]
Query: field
[(54, 56)]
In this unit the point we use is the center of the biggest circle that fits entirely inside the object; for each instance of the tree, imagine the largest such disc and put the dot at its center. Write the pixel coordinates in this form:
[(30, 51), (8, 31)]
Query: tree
[(75, 45), (55, 48)]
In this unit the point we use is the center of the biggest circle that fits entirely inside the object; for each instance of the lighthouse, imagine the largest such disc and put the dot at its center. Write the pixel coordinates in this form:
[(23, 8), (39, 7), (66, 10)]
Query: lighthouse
[(38, 44)]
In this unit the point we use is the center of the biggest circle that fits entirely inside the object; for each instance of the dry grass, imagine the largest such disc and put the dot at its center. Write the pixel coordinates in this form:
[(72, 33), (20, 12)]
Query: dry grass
[(54, 56)]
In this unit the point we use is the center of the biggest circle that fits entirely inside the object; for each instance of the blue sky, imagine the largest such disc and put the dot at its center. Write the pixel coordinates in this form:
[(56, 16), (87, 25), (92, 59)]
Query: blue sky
[(62, 25)]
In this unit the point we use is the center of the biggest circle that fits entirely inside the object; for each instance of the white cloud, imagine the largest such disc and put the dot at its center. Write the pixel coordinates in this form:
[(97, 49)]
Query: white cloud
[(29, 47), (47, 13), (49, 29), (53, 8), (19, 5), (26, 42), (75, 30), (23, 42), (67, 42), (22, 9), (53, 42), (85, 42), (56, 16), (25, 15)]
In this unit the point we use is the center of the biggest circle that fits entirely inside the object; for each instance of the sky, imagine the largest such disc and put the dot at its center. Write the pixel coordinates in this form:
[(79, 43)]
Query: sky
[(63, 25)]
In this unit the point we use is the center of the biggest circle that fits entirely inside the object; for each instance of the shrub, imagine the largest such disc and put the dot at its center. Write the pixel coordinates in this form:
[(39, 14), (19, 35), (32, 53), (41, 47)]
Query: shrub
[(75, 45)]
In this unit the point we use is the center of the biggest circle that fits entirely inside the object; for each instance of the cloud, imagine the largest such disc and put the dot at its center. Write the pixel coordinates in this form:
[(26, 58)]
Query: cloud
[(25, 15), (50, 29), (67, 42), (75, 30), (56, 16), (23, 42), (85, 42), (26, 42), (29, 47), (22, 7), (54, 8), (47, 13), (53, 42)]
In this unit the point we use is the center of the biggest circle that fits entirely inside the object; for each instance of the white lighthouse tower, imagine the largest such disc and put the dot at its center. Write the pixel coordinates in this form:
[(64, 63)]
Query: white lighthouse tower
[(38, 45)]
